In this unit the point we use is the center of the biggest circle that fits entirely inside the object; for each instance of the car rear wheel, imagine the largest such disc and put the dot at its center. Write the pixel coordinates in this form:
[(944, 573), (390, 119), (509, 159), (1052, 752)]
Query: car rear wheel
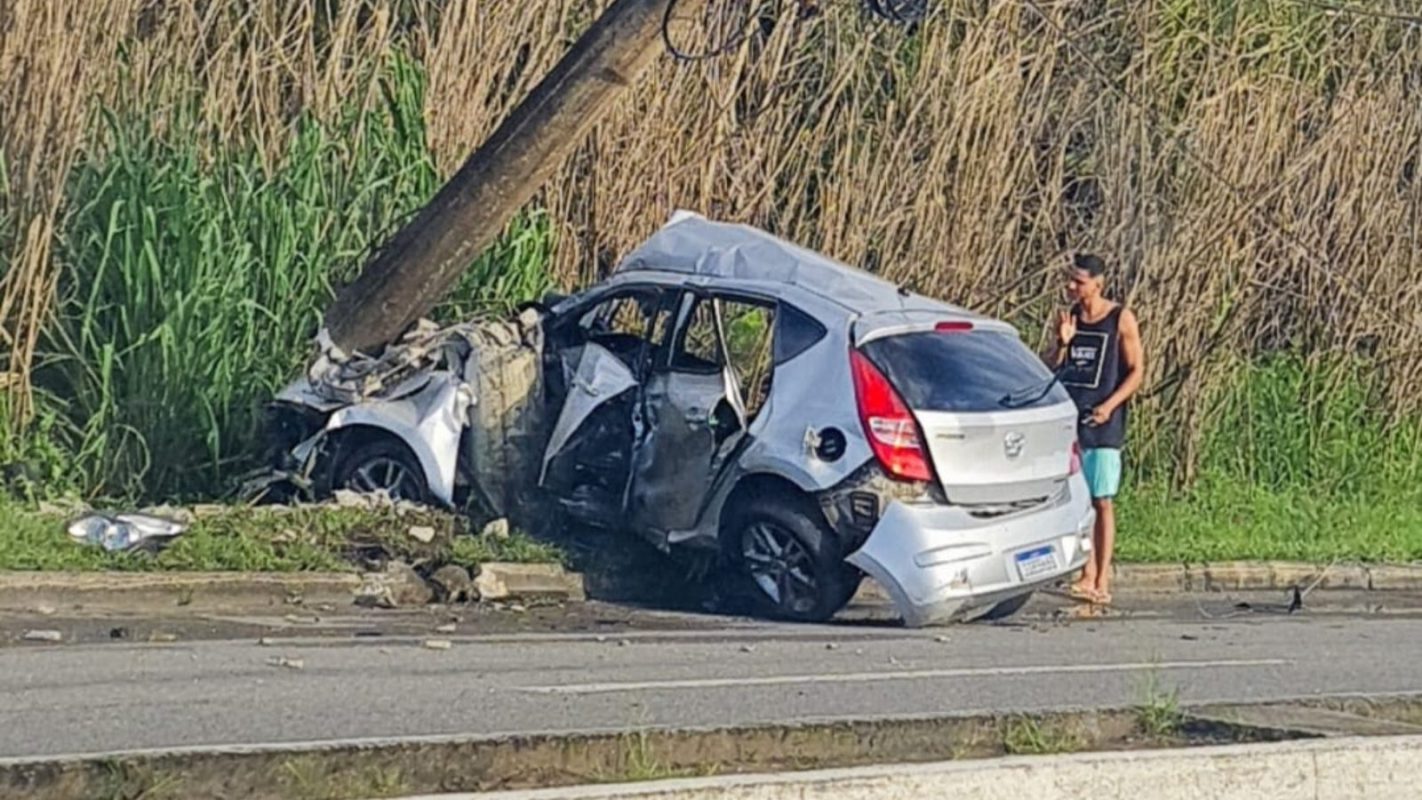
[(790, 561), (382, 465)]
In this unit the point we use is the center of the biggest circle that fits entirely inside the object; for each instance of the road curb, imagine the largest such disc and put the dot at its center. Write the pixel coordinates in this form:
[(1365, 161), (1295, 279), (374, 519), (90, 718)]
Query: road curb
[(54, 591), (1226, 576), (1374, 768), (1266, 575), (30, 591)]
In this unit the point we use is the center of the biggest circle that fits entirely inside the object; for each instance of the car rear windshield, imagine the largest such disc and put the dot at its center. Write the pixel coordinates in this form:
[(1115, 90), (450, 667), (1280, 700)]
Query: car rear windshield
[(964, 371)]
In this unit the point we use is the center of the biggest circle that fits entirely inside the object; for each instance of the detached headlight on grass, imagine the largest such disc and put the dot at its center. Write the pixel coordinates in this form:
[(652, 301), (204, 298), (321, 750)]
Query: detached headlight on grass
[(121, 532)]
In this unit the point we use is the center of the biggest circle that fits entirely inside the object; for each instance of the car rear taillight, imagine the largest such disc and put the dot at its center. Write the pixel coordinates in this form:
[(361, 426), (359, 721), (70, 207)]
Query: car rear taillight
[(955, 326), (891, 428), (1075, 465)]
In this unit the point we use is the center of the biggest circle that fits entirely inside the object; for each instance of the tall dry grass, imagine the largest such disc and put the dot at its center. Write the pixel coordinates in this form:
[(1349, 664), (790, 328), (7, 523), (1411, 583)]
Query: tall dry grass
[(1249, 166)]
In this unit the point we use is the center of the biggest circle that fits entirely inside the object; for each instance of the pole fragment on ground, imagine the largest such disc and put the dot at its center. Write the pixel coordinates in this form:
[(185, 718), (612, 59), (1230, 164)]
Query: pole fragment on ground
[(416, 268)]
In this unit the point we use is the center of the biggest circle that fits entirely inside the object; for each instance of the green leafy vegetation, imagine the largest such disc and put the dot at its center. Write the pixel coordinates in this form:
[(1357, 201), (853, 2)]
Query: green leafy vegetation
[(1300, 463), (194, 283), (1158, 713), (1029, 736)]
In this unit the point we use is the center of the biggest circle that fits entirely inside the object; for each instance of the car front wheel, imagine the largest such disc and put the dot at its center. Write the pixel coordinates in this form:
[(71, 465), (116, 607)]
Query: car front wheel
[(790, 562), (382, 465)]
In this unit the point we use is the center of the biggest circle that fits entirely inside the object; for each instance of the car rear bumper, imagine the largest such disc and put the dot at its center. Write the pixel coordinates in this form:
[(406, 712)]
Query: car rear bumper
[(938, 561)]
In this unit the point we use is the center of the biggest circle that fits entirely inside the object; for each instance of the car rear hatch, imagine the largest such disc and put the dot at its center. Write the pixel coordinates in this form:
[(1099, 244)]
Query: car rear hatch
[(997, 428)]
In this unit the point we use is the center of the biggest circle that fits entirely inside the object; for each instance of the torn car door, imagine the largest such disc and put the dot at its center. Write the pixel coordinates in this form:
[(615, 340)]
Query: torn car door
[(691, 413), (600, 359), (599, 377)]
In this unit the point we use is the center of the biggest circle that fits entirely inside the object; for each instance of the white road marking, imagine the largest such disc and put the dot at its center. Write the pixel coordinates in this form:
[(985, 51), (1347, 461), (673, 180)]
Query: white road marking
[(909, 675)]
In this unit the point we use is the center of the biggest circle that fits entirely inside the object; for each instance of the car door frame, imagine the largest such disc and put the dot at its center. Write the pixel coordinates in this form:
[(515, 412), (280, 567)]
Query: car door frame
[(640, 370), (693, 492)]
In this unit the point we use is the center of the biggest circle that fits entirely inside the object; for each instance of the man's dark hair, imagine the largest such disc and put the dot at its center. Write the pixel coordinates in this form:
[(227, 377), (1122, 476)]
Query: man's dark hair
[(1091, 265)]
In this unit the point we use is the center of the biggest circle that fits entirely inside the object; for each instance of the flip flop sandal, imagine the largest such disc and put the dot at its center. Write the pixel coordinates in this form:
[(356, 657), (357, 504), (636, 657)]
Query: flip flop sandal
[(1077, 592), (1101, 598)]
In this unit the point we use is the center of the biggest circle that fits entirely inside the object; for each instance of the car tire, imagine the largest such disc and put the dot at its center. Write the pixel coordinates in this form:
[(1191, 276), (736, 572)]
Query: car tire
[(1005, 609), (788, 561), (383, 463)]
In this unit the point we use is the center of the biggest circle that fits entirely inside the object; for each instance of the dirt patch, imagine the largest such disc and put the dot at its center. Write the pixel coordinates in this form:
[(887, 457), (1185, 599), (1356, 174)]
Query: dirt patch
[(527, 762)]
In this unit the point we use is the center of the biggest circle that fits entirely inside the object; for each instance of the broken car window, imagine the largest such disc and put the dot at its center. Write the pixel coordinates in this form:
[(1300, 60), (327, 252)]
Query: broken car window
[(623, 324), (700, 349), (750, 331)]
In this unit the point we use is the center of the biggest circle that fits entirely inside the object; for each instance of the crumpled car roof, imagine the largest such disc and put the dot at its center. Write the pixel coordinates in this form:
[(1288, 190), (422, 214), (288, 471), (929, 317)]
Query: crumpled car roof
[(692, 245)]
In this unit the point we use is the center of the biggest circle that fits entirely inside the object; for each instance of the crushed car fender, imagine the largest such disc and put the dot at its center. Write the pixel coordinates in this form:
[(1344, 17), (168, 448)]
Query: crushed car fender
[(430, 422)]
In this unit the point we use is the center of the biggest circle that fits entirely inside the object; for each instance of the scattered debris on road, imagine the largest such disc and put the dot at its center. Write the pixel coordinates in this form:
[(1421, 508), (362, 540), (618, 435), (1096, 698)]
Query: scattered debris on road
[(43, 636), (438, 644), (399, 586), (447, 628), (286, 663), (453, 585)]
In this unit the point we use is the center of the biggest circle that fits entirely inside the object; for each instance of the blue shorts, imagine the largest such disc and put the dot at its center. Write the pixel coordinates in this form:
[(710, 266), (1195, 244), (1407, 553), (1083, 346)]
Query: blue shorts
[(1102, 468)]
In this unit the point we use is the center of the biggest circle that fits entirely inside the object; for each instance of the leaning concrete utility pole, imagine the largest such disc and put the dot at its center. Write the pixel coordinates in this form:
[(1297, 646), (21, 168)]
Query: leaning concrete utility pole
[(418, 265)]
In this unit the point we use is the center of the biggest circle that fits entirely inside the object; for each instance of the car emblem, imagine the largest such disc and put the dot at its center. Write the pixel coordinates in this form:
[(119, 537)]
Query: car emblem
[(1012, 444)]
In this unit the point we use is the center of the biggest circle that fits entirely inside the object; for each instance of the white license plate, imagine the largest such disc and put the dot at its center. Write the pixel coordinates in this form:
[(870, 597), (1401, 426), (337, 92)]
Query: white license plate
[(1036, 563)]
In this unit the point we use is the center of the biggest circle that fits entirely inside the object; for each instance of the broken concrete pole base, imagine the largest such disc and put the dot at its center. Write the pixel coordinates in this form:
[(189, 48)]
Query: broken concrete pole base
[(546, 582), (399, 586), (498, 529), (452, 584)]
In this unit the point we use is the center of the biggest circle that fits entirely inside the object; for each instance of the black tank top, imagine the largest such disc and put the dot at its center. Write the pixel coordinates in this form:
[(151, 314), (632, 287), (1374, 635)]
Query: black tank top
[(1093, 372)]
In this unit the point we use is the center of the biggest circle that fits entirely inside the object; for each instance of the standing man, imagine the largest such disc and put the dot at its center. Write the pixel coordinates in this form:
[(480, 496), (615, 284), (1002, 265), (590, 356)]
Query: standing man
[(1098, 349)]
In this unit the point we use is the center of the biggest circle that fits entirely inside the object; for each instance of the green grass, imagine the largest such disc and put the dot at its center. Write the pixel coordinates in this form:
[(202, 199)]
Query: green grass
[(1298, 462), (1158, 713), (241, 539), (1027, 736), (194, 283), (1222, 520)]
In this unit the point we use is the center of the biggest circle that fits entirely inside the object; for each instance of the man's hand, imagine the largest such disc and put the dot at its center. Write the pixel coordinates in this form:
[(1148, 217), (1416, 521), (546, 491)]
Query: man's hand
[(1066, 328), (1101, 414)]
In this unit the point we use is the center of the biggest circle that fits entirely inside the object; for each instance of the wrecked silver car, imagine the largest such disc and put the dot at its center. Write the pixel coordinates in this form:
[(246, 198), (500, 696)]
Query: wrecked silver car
[(807, 422)]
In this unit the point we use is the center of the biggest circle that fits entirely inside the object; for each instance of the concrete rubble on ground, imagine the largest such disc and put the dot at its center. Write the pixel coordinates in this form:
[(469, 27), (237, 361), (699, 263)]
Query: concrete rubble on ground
[(452, 584), (546, 582), (398, 586)]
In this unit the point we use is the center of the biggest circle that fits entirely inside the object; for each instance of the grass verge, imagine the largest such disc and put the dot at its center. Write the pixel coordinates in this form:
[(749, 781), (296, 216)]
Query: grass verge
[(1221, 520), (302, 539)]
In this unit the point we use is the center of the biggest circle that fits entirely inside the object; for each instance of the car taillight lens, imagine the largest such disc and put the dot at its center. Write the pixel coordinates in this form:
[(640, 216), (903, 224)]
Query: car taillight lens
[(1075, 459), (890, 426)]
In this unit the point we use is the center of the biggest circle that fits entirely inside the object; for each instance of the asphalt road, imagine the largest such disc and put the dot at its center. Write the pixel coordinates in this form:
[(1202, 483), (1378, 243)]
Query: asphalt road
[(123, 695)]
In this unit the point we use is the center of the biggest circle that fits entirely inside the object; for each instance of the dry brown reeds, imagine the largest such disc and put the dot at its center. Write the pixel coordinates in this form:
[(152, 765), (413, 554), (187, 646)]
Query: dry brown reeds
[(1251, 166)]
